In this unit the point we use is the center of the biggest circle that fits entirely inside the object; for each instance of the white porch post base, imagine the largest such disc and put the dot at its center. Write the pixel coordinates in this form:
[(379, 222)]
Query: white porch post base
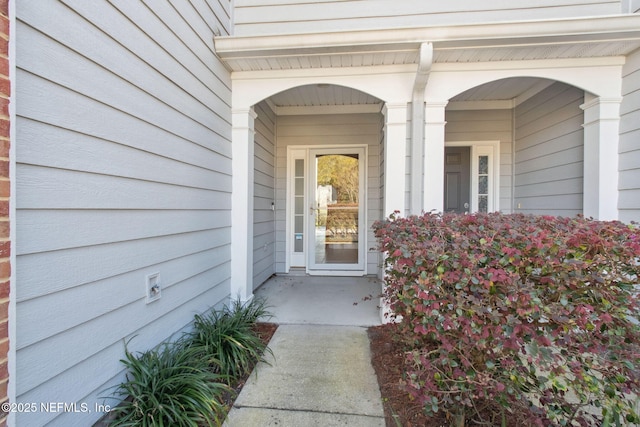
[(395, 170), (385, 309), (601, 139), (434, 156), (242, 135), (395, 155)]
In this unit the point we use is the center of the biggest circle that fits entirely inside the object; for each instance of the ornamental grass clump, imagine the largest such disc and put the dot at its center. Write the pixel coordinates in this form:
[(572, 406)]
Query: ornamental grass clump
[(225, 338), (169, 386), (186, 382), (524, 317)]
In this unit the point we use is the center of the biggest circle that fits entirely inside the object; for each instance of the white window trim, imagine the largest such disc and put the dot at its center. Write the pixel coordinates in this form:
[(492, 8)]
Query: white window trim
[(293, 154), (483, 148)]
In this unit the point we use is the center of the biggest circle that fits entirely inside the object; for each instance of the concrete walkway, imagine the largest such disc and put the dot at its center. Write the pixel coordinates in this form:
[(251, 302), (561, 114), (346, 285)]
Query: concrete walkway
[(321, 376), (321, 373)]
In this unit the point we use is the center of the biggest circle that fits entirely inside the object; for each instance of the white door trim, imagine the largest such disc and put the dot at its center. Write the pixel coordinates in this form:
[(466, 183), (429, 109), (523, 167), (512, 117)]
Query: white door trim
[(480, 148), (305, 151)]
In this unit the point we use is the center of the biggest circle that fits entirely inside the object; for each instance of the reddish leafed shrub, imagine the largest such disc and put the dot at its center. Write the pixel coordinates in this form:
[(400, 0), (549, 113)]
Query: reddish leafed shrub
[(535, 314)]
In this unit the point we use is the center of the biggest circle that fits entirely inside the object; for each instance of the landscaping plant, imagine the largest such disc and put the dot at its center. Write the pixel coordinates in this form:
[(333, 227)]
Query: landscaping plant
[(225, 338), (529, 316), (169, 386), (185, 383)]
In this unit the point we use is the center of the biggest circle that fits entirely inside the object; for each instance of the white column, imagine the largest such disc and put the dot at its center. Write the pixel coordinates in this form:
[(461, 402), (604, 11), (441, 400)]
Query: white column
[(601, 138), (395, 157), (416, 181), (433, 186), (242, 151)]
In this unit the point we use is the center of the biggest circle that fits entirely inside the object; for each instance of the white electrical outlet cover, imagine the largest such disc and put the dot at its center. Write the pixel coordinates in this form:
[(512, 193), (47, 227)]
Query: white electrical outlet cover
[(152, 288)]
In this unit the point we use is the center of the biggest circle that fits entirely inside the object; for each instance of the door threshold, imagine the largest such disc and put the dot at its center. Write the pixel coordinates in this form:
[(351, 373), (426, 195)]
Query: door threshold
[(302, 271), (295, 271), (344, 273)]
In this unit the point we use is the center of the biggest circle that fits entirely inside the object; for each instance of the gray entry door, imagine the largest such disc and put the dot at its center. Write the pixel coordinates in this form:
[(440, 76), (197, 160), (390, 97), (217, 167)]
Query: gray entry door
[(457, 178)]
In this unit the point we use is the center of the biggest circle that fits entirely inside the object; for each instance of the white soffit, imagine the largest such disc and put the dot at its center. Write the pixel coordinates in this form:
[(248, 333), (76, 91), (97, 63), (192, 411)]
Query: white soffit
[(324, 95), (513, 41)]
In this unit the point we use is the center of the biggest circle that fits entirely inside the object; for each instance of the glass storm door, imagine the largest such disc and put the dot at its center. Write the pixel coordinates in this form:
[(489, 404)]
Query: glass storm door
[(336, 220)]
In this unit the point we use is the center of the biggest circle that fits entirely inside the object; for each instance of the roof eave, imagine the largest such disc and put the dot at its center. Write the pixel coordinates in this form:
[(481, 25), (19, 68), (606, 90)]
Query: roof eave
[(468, 36)]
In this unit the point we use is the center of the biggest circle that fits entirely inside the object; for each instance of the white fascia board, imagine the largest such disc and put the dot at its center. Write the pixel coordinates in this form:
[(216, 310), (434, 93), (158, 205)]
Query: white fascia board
[(514, 33), (606, 61), (328, 109), (326, 74), (480, 105)]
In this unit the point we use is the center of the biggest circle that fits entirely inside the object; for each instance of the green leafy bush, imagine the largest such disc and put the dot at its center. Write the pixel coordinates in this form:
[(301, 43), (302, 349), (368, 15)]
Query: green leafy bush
[(169, 386), (532, 314), (183, 383), (226, 340)]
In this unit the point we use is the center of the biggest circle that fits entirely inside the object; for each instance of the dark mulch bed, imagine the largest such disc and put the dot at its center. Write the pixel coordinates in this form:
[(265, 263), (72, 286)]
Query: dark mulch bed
[(264, 331), (387, 358)]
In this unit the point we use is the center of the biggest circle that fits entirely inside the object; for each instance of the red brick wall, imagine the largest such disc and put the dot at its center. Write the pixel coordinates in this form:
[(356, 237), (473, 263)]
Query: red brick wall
[(5, 242)]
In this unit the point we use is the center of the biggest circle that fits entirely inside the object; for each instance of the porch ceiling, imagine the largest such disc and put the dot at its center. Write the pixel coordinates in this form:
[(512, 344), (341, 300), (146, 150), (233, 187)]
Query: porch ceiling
[(322, 95), (513, 41)]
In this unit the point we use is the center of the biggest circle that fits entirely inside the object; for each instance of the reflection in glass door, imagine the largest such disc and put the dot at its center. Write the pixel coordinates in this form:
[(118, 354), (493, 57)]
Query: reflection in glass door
[(336, 209)]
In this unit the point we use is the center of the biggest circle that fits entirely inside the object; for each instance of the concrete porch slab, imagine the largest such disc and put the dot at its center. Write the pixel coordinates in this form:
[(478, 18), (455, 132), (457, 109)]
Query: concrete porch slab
[(322, 300)]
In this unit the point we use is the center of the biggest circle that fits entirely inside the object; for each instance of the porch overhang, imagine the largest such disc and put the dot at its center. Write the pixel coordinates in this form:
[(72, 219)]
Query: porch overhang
[(604, 36)]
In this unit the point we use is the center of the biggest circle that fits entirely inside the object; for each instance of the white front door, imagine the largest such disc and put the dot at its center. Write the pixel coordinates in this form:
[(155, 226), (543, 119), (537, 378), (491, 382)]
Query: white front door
[(326, 220)]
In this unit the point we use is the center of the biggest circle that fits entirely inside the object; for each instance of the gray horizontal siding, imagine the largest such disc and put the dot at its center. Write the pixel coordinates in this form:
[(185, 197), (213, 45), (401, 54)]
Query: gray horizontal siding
[(255, 17), (122, 169), (631, 6), (549, 152), (486, 125), (264, 239), (629, 149)]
